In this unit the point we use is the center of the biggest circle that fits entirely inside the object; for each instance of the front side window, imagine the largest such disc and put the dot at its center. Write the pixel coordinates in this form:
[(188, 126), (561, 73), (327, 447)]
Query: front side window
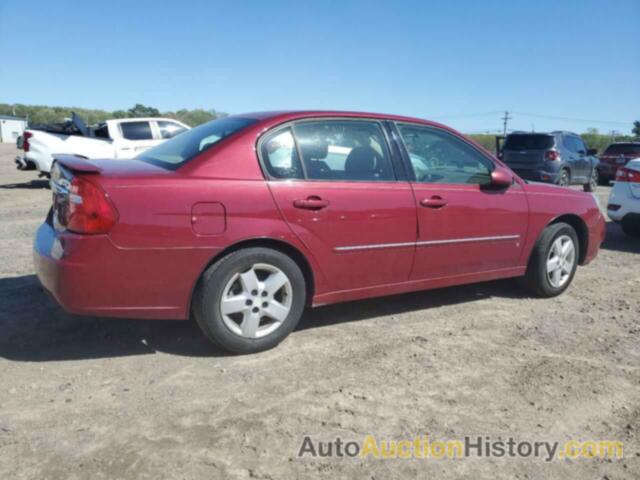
[(136, 130), (344, 150), (182, 148), (439, 157), (169, 129)]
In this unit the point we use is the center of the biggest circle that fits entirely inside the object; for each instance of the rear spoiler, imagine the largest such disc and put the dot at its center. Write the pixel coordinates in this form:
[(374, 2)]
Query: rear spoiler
[(77, 163)]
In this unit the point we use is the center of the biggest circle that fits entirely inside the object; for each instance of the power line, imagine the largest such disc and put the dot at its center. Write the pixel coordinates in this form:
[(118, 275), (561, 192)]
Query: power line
[(534, 115), (571, 119)]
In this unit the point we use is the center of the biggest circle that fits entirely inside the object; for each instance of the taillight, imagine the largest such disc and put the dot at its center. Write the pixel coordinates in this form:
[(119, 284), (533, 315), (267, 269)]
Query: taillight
[(25, 140), (90, 211), (627, 175), (551, 155)]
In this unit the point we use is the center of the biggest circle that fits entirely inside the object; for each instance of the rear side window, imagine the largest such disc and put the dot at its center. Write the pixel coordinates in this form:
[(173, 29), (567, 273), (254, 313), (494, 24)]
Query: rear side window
[(528, 142), (136, 130), (623, 149), (344, 150), (280, 155)]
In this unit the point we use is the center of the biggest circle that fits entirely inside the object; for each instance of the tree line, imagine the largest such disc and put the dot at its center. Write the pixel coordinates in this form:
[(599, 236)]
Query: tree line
[(42, 114)]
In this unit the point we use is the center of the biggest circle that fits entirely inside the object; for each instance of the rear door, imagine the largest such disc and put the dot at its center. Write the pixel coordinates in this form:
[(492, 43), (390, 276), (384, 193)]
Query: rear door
[(465, 227), (135, 137), (335, 184)]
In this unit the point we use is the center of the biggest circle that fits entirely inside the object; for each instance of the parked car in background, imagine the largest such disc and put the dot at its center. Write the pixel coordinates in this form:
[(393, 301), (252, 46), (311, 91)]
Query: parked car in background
[(245, 220), (119, 139), (624, 201), (557, 157), (615, 156)]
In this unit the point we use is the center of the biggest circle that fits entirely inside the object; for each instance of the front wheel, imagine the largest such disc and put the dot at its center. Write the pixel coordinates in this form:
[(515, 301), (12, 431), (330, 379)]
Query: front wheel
[(593, 182), (553, 261), (250, 300)]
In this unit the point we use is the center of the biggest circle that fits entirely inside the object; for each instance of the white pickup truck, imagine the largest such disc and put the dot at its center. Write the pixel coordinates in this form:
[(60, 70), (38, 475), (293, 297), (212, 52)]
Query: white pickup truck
[(120, 139)]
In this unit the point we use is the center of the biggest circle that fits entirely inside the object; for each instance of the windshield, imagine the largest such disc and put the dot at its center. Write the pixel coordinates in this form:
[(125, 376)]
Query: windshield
[(183, 147), (528, 142), (623, 149)]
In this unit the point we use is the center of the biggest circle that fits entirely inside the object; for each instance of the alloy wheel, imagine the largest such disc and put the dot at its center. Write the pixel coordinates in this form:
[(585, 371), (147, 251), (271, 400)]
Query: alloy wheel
[(256, 302), (560, 261)]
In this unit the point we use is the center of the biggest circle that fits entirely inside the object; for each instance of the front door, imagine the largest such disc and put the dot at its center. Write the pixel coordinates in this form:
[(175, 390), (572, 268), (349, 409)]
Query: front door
[(334, 183), (465, 227)]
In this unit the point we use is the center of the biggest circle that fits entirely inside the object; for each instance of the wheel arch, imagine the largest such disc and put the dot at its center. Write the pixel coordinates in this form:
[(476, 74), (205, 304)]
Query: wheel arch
[(275, 244), (581, 229)]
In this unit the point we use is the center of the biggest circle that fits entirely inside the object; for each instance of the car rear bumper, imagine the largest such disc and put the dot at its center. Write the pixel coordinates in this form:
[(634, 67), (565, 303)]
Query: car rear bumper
[(606, 170), (537, 175), (89, 275)]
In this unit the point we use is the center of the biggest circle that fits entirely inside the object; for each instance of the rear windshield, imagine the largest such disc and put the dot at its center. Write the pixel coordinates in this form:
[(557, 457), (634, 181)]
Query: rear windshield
[(623, 149), (183, 147), (528, 142)]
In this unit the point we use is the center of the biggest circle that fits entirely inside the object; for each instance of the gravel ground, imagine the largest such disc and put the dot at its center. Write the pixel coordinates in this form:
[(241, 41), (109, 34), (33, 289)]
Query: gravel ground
[(99, 398)]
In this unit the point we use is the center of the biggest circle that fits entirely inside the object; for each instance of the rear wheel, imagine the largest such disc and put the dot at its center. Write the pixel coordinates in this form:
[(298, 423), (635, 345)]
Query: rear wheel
[(631, 226), (553, 261), (250, 300), (564, 179), (593, 182)]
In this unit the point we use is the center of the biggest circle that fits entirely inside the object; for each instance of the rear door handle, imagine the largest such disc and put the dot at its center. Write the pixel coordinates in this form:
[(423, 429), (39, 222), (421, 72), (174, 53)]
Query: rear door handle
[(311, 203), (434, 202)]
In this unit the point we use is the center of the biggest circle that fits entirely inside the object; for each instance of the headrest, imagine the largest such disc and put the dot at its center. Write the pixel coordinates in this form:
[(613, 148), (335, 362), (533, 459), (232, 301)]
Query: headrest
[(314, 149), (361, 160)]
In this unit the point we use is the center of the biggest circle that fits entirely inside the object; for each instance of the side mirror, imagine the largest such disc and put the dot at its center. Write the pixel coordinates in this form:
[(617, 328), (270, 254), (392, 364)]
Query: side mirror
[(592, 152), (501, 178)]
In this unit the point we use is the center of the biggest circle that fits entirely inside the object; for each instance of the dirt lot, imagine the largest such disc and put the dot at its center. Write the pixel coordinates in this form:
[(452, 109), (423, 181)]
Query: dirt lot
[(99, 398)]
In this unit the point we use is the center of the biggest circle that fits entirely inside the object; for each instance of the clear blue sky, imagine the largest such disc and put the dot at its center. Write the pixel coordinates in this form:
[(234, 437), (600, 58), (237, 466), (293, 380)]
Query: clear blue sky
[(448, 61)]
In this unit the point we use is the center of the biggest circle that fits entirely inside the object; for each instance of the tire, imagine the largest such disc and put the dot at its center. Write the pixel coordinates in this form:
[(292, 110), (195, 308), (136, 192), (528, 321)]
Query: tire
[(603, 181), (564, 180), (630, 227), (537, 278), (593, 182), (247, 326)]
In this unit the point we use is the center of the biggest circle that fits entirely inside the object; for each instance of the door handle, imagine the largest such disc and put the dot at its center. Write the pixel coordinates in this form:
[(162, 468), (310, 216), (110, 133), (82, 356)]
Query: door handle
[(434, 202), (311, 203)]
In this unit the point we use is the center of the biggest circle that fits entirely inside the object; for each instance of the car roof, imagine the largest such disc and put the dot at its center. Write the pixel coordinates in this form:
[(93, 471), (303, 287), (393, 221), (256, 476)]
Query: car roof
[(289, 115)]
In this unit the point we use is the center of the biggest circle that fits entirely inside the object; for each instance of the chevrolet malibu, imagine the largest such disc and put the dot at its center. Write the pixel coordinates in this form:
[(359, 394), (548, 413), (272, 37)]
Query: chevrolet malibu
[(245, 221)]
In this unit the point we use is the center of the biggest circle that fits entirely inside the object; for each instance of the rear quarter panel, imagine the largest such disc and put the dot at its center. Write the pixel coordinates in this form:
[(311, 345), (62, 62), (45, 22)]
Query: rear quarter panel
[(158, 236)]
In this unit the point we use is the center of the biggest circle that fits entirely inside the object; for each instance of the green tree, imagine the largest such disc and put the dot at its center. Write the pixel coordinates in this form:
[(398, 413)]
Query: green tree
[(636, 128), (140, 110)]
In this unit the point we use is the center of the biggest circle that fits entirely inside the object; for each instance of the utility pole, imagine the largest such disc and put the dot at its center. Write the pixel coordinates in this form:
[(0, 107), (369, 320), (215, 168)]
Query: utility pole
[(506, 118)]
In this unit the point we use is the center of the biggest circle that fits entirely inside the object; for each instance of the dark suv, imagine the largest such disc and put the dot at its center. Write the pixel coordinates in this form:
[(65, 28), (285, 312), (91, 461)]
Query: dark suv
[(616, 155), (557, 157)]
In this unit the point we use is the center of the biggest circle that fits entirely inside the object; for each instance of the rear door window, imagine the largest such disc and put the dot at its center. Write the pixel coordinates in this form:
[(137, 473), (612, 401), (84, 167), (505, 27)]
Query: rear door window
[(528, 142), (344, 150), (136, 130)]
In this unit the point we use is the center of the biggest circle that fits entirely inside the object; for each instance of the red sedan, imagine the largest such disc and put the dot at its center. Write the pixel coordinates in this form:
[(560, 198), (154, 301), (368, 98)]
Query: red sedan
[(246, 220)]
